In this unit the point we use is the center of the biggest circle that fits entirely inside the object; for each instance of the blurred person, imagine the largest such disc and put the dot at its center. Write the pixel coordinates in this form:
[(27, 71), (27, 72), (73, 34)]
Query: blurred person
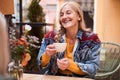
[(4, 49), (81, 57)]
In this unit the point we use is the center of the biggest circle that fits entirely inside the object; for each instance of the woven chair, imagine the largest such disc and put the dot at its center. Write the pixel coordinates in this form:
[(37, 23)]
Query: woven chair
[(109, 61)]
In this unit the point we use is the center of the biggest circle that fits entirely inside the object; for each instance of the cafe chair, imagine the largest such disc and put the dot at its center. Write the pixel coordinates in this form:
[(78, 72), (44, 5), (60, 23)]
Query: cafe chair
[(109, 61)]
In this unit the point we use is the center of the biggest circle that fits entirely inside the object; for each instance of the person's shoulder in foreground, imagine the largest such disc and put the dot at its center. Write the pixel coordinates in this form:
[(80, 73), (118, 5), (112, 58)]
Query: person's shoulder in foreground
[(4, 49)]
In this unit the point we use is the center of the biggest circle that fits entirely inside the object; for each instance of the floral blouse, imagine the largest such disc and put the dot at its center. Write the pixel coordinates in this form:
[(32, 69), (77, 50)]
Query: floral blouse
[(85, 53)]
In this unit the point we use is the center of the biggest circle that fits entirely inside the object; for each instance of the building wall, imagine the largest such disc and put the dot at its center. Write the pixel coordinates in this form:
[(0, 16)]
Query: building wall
[(108, 20), (50, 9)]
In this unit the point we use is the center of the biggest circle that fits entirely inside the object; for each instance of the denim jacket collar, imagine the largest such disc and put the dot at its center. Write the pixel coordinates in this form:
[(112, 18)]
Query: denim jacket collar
[(79, 34)]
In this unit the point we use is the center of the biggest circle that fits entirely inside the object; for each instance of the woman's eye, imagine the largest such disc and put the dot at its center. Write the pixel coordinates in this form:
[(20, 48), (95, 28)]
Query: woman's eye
[(61, 14), (68, 13)]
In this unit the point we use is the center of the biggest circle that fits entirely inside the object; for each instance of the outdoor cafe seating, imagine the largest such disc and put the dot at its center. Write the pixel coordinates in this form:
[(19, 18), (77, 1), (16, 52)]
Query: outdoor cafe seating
[(109, 61)]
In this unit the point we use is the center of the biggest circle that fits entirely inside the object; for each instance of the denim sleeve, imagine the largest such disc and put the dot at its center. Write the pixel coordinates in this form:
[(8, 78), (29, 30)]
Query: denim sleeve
[(41, 51), (91, 65)]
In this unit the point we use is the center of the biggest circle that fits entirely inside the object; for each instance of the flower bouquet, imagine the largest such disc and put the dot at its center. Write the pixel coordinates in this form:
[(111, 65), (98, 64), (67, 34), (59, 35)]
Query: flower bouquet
[(22, 48), (21, 51)]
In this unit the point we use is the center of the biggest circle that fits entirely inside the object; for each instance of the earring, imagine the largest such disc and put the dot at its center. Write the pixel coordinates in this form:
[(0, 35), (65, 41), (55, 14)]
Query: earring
[(79, 19)]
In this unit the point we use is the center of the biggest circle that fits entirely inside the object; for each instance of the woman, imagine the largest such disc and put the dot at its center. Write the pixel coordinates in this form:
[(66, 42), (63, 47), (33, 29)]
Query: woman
[(81, 57), (4, 49)]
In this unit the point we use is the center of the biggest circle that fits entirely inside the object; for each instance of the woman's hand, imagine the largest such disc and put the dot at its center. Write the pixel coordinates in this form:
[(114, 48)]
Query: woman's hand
[(50, 50), (63, 63)]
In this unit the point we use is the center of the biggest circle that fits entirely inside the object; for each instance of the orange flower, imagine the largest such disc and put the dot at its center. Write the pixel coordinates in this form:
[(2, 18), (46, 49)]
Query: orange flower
[(22, 41), (24, 63), (26, 58)]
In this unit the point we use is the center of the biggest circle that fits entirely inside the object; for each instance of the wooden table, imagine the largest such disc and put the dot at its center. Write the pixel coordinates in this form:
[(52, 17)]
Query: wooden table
[(49, 77)]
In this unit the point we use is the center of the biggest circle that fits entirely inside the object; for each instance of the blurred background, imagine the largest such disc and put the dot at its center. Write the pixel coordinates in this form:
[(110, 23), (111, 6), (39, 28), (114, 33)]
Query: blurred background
[(101, 17)]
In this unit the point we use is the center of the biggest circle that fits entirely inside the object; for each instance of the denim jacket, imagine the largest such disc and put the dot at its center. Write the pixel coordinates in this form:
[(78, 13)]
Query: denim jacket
[(85, 52)]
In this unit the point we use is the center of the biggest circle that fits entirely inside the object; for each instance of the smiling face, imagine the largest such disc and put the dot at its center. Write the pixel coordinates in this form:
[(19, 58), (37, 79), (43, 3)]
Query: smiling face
[(69, 17)]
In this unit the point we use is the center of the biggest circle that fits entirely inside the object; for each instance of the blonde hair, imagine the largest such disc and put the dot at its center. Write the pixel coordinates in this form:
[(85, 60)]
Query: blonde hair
[(4, 49), (76, 7)]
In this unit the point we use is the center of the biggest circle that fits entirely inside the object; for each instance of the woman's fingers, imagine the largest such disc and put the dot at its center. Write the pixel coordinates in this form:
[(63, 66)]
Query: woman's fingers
[(50, 50), (51, 46), (60, 65), (63, 63)]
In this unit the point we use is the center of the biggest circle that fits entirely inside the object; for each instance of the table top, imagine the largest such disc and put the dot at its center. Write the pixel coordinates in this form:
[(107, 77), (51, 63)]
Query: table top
[(50, 77)]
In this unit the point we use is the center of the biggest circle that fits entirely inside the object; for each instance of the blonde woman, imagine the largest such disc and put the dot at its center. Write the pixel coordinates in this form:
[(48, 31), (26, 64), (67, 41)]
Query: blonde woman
[(4, 49), (81, 57)]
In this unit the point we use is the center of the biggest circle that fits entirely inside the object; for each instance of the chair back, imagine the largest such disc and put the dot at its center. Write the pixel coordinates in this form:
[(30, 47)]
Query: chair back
[(109, 57)]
